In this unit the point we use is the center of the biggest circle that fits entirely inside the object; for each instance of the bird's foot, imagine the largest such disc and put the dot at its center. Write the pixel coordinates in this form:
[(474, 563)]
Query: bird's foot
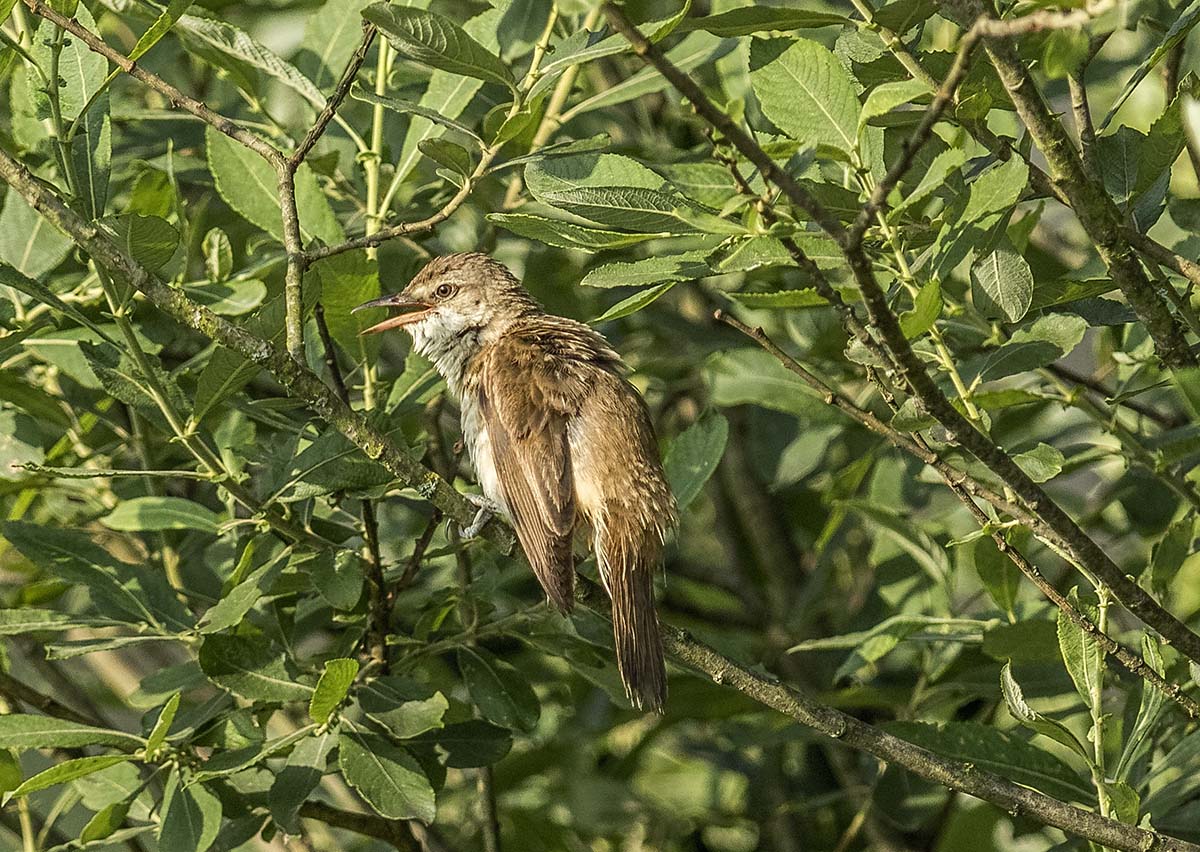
[(487, 509)]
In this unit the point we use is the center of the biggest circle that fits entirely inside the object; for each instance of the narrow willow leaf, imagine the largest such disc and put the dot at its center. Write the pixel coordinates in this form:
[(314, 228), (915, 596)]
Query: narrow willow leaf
[(998, 752), (28, 243), (105, 821), (386, 776), (760, 19), (1034, 720), (18, 730), (751, 376), (563, 234), (1081, 653), (807, 93), (1183, 24), (1007, 281), (22, 283), (68, 770), (22, 620), (239, 46), (330, 37), (693, 456), (438, 42), (634, 303), (162, 513), (229, 611), (650, 270), (780, 299), (943, 165), (471, 743), (999, 575), (404, 107), (158, 735), (1169, 554), (331, 689)]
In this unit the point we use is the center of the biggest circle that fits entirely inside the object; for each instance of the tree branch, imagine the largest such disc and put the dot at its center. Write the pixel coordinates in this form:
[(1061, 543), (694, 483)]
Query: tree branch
[(395, 832), (335, 99), (1052, 522)]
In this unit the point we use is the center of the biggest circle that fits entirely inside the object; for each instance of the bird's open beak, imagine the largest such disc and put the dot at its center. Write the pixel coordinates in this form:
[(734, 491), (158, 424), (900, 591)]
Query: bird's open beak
[(410, 312)]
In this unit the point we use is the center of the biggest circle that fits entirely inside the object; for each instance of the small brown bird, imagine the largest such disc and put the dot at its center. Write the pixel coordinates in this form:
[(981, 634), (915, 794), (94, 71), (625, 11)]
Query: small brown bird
[(558, 438)]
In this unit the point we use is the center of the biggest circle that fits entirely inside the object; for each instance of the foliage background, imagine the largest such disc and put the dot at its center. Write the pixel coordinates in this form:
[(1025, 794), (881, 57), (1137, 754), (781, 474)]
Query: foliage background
[(190, 561)]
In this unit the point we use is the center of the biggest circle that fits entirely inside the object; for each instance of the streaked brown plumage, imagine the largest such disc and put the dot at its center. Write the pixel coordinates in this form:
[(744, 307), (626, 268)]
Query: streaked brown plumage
[(559, 441)]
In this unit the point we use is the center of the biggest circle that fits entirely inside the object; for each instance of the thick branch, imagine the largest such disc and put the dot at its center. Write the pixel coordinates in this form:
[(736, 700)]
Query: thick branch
[(395, 832), (1051, 522)]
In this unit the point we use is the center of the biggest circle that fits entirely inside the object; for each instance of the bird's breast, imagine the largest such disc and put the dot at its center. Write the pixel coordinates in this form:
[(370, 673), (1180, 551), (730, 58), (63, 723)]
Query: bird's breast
[(479, 448)]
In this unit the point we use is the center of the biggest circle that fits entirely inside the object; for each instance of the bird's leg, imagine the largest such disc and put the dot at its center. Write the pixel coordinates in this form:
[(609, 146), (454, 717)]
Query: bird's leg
[(487, 508)]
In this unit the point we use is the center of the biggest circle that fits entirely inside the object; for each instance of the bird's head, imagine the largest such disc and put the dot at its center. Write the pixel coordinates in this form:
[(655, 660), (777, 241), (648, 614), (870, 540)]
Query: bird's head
[(455, 297)]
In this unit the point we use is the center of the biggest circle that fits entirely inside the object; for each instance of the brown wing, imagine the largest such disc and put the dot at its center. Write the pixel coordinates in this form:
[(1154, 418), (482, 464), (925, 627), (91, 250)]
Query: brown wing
[(527, 397)]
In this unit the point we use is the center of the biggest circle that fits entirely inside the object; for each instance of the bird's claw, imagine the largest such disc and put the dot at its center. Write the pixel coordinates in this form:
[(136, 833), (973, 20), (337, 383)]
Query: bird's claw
[(486, 509)]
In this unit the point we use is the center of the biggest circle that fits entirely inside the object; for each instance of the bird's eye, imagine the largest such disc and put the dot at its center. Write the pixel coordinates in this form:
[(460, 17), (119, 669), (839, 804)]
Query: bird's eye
[(443, 291)]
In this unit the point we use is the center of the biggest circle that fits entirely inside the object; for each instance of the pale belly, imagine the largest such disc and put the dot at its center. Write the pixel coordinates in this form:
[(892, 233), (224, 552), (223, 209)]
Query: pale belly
[(479, 449)]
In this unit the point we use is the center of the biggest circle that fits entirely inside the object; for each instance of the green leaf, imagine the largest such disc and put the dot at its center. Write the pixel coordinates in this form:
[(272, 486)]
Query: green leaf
[(657, 269), (91, 157), (229, 41), (250, 186), (780, 299), (927, 307), (1180, 27), (10, 277), (105, 821), (445, 153), (1034, 720), (68, 770), (28, 243), (563, 234), (23, 620), (807, 93), (471, 743), (1000, 753), (150, 240), (231, 609), (337, 578), (751, 376), (1042, 463), (81, 72), (403, 706), (158, 735), (1006, 280), (502, 695), (299, 777), (191, 820), (1048, 339), (162, 513), (1170, 552), (438, 42), (1126, 803), (404, 107), (693, 456), (331, 689), (999, 575), (1081, 653), (331, 36), (759, 19), (887, 96), (1063, 52), (18, 730), (250, 668), (386, 776), (347, 280), (1140, 739), (634, 303), (161, 26)]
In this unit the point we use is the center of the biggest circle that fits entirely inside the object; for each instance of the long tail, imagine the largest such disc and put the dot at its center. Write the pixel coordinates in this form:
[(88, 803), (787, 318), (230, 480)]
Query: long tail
[(628, 572)]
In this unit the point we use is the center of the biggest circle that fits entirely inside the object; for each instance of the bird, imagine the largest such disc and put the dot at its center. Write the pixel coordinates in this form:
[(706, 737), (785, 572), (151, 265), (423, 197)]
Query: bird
[(561, 443)]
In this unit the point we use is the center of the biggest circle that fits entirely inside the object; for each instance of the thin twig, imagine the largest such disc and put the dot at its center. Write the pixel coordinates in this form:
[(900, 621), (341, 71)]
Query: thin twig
[(335, 99)]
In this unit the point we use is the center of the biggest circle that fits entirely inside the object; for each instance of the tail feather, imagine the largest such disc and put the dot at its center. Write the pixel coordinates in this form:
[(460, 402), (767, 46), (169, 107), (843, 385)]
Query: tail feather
[(628, 573)]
